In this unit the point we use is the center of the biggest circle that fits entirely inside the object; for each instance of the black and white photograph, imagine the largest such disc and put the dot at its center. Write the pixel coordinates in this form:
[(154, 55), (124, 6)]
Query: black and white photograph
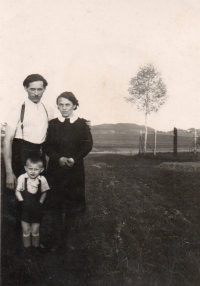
[(100, 143)]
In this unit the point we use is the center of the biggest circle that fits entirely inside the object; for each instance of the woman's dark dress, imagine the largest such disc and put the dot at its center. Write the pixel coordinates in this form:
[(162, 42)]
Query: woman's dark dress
[(70, 140)]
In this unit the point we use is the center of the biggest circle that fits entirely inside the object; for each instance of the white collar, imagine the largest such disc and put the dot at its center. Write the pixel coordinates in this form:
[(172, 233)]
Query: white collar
[(71, 119), (30, 102), (27, 176)]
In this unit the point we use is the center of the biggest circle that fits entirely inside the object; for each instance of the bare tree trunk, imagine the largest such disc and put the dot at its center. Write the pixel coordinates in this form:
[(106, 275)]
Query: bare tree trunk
[(145, 138)]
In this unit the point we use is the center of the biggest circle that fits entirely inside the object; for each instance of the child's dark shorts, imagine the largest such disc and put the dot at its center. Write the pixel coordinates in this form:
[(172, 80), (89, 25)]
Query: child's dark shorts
[(31, 209)]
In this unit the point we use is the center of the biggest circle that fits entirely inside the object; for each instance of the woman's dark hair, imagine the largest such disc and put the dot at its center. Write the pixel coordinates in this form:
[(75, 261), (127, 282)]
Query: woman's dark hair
[(34, 77), (70, 96)]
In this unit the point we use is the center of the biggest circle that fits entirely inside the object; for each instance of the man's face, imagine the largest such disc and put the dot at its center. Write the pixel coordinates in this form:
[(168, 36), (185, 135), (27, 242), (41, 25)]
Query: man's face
[(35, 91)]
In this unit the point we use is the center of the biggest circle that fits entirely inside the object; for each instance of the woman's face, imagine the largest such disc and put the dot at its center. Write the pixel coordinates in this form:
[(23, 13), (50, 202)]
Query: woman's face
[(65, 106)]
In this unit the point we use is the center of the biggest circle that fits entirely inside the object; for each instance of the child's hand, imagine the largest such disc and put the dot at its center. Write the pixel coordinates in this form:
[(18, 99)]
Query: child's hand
[(21, 204), (40, 207)]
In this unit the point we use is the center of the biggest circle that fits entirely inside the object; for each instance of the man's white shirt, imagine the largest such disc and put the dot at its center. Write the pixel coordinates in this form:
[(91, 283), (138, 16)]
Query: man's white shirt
[(35, 121)]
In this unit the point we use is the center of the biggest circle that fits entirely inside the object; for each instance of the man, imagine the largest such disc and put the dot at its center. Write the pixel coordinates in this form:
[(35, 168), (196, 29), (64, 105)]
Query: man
[(26, 129), (25, 134)]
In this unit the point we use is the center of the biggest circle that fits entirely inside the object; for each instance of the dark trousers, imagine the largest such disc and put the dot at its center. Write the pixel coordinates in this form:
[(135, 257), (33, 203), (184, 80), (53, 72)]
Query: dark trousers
[(21, 150)]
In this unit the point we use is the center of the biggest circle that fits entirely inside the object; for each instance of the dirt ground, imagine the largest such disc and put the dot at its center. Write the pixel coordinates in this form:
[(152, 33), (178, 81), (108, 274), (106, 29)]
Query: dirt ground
[(141, 228)]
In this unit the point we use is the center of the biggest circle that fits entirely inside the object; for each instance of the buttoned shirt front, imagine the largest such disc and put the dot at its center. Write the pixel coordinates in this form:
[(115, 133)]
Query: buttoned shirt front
[(35, 123)]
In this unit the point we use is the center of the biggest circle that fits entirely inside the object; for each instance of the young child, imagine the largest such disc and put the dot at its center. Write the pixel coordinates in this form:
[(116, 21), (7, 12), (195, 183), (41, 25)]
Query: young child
[(31, 193)]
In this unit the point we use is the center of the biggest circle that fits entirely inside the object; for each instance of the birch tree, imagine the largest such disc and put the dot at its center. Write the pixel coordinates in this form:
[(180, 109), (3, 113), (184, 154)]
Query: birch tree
[(148, 92)]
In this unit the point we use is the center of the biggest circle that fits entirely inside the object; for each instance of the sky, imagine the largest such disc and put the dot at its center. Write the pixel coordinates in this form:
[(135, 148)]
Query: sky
[(94, 47)]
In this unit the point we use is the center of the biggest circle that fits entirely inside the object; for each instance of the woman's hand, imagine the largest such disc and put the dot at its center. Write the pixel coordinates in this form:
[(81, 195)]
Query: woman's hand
[(70, 162), (66, 162), (63, 162)]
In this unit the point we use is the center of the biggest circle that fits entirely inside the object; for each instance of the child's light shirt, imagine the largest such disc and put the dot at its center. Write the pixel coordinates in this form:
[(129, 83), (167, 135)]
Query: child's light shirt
[(32, 184)]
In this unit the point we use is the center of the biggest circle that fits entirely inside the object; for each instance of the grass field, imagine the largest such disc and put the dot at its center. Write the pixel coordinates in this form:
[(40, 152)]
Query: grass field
[(141, 228)]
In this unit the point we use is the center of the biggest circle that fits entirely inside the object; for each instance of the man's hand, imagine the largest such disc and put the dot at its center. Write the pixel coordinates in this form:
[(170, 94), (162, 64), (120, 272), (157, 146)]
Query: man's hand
[(11, 181)]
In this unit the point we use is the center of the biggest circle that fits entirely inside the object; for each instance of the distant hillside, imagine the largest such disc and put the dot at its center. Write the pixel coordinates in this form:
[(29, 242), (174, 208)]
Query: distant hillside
[(185, 132), (126, 128), (122, 128)]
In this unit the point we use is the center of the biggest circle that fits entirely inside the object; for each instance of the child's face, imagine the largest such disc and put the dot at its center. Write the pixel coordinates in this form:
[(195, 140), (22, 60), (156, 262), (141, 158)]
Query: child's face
[(33, 169)]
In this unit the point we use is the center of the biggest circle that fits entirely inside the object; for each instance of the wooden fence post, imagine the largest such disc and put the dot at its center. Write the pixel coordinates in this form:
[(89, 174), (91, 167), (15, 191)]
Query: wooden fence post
[(175, 141), (140, 143), (195, 141), (155, 143)]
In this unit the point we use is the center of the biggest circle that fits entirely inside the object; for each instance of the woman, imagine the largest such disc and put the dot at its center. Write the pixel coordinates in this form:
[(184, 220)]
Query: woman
[(68, 141)]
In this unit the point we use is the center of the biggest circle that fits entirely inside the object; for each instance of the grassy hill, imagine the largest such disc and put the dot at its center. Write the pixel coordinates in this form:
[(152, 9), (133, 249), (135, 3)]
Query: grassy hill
[(124, 128), (135, 128)]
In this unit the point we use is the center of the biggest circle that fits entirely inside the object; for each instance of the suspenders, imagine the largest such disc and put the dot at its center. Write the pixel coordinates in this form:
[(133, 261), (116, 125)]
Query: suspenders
[(38, 194), (22, 117), (39, 185)]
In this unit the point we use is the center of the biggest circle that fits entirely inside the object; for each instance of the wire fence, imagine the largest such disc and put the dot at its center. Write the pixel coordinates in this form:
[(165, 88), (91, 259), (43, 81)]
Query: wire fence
[(134, 142), (162, 142)]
